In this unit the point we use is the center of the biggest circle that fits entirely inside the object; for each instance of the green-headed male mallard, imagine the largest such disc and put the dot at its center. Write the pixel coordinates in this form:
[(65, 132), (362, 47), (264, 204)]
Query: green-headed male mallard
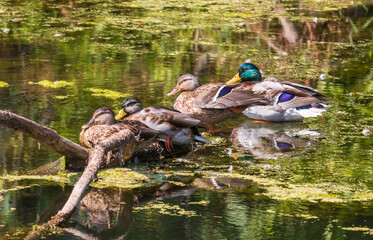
[(211, 103), (286, 101), (175, 127), (103, 125)]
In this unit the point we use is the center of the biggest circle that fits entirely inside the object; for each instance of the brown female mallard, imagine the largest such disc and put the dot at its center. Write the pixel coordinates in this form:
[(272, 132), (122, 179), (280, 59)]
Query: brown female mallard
[(175, 127), (286, 101), (211, 103), (103, 125)]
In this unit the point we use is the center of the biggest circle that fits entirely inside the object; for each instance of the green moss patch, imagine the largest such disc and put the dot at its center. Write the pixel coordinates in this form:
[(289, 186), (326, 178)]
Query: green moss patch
[(166, 209), (123, 178), (107, 93), (56, 84), (4, 84)]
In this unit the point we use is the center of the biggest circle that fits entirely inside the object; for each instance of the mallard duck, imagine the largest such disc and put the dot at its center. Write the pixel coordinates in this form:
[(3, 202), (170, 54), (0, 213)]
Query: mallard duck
[(103, 125), (211, 103), (286, 101), (175, 127)]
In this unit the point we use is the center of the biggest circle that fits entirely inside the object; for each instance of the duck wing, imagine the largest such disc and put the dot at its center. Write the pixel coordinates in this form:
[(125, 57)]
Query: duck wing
[(171, 116), (139, 128), (95, 134), (290, 87), (223, 95), (156, 123)]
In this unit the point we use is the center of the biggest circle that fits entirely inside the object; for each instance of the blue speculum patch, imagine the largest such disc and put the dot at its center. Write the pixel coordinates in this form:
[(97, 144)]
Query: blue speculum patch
[(224, 91), (285, 97), (304, 107), (284, 145)]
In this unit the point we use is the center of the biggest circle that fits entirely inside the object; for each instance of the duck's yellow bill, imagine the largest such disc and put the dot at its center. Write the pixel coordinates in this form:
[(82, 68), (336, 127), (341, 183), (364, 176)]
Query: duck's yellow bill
[(120, 115), (174, 91), (236, 78)]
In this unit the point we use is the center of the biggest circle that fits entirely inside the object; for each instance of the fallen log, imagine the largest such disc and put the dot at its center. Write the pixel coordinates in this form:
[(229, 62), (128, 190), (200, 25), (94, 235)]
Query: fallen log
[(96, 159), (46, 136)]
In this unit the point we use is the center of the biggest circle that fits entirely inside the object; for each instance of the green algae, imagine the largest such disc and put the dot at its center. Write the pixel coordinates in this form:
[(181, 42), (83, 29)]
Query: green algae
[(166, 209), (365, 230), (107, 93), (3, 84), (60, 178), (55, 84), (167, 31), (285, 191), (123, 178), (298, 215), (17, 188)]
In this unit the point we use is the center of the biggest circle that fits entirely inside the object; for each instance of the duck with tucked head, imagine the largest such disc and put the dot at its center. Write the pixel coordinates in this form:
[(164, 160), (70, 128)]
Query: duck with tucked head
[(175, 127), (103, 125), (286, 101), (212, 103)]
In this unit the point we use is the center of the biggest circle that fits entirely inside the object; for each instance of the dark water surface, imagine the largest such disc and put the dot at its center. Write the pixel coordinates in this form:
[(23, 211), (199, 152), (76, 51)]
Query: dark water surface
[(310, 180)]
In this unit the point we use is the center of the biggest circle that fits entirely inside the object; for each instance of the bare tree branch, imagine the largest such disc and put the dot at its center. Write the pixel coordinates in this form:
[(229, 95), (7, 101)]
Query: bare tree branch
[(96, 159), (46, 136)]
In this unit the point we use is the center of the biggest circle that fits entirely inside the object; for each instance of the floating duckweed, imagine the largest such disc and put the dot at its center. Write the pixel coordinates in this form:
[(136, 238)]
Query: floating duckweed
[(17, 188), (180, 184), (4, 84), (120, 177), (56, 84), (280, 190), (202, 203), (363, 196), (107, 93), (167, 209), (60, 97), (61, 178), (365, 230), (298, 215)]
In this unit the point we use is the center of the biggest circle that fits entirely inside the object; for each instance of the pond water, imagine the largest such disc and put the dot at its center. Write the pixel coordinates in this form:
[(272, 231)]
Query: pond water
[(309, 180)]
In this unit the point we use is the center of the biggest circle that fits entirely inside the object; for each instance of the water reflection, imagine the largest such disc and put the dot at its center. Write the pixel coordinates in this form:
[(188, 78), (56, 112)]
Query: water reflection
[(267, 140), (108, 213), (141, 48)]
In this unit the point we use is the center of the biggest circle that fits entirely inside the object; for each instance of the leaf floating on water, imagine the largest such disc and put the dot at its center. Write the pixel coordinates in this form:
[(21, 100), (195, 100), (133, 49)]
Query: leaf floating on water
[(4, 84), (107, 93), (56, 84)]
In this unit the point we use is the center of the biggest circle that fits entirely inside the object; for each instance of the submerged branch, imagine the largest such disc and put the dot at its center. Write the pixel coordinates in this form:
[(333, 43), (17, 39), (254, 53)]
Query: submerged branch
[(96, 159), (46, 136)]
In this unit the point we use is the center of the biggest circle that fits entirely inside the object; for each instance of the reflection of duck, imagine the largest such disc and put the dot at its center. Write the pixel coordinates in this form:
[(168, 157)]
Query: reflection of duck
[(270, 140), (103, 125), (211, 103), (179, 129), (286, 101)]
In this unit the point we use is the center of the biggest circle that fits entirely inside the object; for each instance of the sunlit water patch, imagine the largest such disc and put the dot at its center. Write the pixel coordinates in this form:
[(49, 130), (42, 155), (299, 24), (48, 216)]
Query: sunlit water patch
[(310, 180)]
